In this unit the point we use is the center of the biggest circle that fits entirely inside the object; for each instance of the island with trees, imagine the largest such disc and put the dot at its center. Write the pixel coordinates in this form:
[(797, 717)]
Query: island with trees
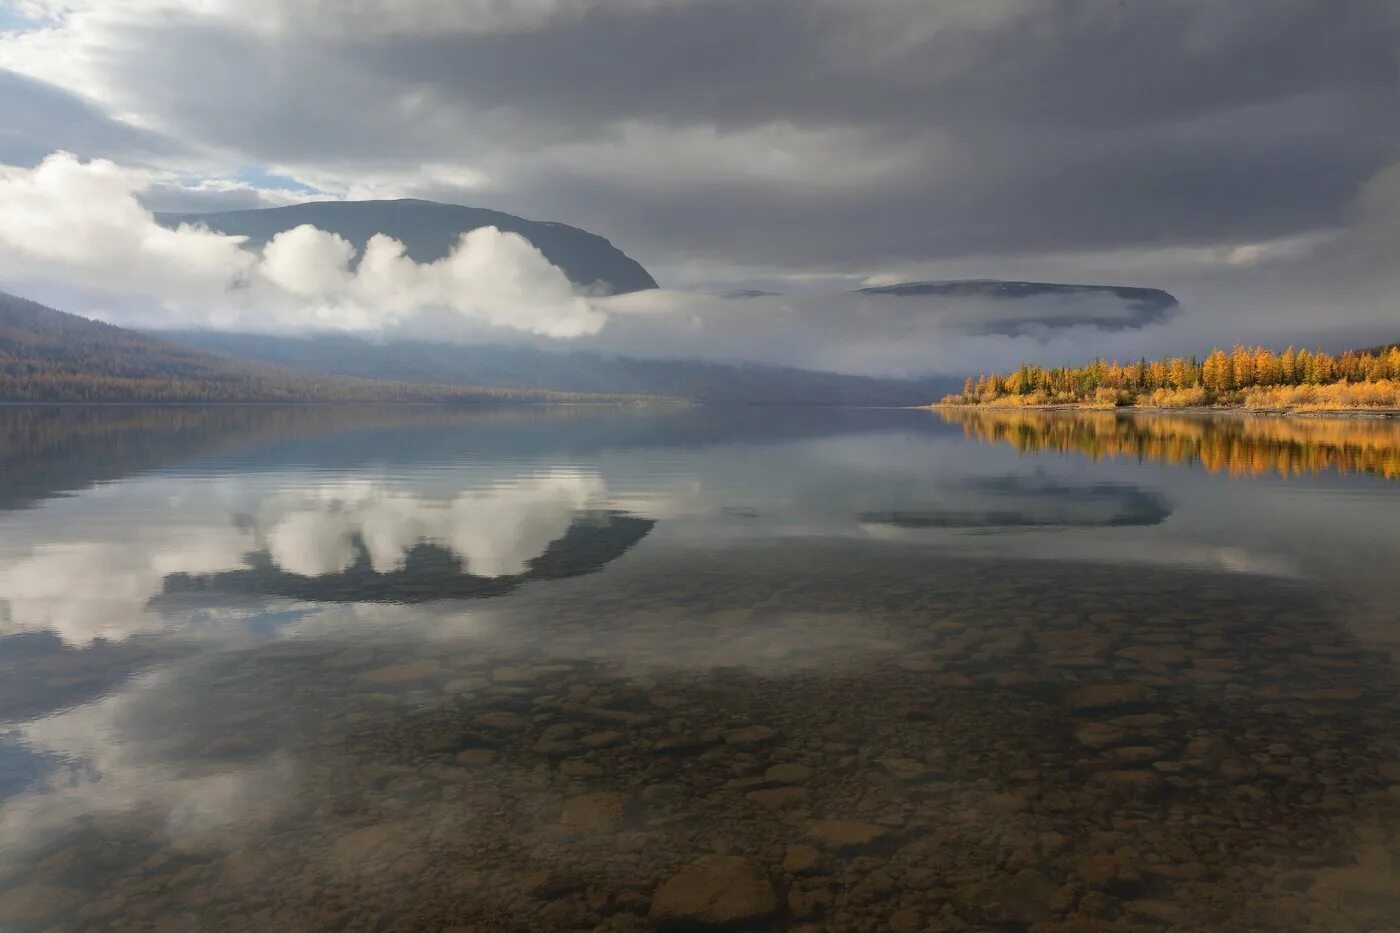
[(1252, 378)]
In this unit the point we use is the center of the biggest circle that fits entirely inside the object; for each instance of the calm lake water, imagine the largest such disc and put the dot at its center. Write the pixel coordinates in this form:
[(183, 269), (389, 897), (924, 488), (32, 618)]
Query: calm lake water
[(606, 669)]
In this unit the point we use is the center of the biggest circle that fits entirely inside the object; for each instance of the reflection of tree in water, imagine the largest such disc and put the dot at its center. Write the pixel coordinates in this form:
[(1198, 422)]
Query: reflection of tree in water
[(430, 571), (1237, 445), (45, 450)]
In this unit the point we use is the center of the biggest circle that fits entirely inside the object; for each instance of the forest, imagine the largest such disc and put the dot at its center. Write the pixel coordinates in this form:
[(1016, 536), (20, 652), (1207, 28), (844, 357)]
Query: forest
[(52, 356), (1246, 377)]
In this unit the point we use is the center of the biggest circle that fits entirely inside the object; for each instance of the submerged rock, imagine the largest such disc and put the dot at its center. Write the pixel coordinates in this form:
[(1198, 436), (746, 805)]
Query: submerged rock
[(847, 834), (715, 892), (1105, 696), (801, 859), (750, 736), (788, 773), (599, 812), (402, 673)]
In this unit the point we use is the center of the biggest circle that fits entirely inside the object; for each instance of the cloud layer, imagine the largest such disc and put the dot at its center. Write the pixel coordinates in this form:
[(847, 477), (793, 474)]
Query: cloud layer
[(795, 145), (929, 130), (81, 224)]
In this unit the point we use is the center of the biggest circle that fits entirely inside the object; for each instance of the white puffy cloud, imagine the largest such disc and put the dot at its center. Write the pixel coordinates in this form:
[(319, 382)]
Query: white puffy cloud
[(66, 217), (308, 262), (82, 224), (497, 278)]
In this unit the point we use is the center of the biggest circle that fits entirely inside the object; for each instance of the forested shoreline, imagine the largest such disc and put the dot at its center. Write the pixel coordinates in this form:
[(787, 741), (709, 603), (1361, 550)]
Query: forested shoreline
[(52, 356), (1246, 377)]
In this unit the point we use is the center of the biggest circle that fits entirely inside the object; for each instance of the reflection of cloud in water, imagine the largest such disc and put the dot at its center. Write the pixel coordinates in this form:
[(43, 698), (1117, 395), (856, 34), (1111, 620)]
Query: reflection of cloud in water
[(1203, 555), (495, 531), (428, 572), (111, 764), (84, 590), (100, 558)]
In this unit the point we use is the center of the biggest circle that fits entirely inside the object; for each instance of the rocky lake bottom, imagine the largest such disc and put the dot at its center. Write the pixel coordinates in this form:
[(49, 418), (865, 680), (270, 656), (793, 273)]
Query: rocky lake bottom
[(807, 732)]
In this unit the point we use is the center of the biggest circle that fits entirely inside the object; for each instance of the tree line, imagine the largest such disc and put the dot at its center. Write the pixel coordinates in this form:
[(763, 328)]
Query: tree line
[(1251, 376), (34, 381)]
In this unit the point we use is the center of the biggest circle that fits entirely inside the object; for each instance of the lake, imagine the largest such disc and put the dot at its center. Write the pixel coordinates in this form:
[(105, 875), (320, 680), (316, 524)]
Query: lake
[(420, 668)]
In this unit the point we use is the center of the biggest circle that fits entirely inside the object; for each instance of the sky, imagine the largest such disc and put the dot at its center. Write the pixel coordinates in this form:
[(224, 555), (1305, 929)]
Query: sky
[(1243, 156)]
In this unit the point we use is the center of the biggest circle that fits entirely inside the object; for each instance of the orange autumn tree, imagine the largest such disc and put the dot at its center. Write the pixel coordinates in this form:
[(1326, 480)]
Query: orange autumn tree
[(1252, 377)]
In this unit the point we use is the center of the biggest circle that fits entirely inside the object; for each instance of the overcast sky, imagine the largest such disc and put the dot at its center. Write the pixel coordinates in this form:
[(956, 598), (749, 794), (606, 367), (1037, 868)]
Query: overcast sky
[(1243, 155)]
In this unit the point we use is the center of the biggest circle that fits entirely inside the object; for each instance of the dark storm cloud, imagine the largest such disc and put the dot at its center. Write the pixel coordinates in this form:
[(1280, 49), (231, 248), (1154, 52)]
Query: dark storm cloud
[(1088, 65), (1067, 125), (908, 131)]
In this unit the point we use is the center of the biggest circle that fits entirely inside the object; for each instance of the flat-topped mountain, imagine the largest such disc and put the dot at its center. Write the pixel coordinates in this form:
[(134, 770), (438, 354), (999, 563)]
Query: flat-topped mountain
[(1109, 307), (429, 230), (1001, 288)]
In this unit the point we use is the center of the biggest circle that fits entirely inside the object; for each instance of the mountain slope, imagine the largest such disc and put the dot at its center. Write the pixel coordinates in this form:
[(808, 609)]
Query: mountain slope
[(429, 231), (976, 306), (566, 371), (48, 355)]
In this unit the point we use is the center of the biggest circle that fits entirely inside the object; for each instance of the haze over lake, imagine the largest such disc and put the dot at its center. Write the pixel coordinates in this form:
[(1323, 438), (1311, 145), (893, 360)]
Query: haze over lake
[(515, 669)]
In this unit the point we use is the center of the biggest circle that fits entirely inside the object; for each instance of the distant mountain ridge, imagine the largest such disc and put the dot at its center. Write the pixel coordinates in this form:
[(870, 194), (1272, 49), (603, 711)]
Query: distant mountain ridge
[(693, 379), (1016, 290), (566, 370), (1136, 306), (429, 230)]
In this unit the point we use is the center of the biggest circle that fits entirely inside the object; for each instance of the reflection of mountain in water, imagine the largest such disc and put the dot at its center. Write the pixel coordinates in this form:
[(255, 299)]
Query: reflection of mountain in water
[(46, 450), (429, 571), (1035, 502), (1239, 445)]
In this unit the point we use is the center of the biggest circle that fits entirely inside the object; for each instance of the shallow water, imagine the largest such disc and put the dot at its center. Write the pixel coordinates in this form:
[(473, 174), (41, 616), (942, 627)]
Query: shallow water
[(579, 668)]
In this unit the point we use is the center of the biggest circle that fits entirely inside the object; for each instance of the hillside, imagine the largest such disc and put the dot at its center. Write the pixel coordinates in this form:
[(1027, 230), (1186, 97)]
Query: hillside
[(52, 356), (565, 371), (429, 231)]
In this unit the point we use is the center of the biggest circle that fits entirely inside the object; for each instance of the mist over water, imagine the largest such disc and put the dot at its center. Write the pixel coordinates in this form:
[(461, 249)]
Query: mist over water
[(522, 669)]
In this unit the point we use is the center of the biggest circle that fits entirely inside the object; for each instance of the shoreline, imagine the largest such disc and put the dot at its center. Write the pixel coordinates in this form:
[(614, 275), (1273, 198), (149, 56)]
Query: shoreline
[(1377, 413)]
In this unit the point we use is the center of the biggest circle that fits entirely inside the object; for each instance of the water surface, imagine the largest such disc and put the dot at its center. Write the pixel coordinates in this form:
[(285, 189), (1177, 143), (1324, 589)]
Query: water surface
[(523, 669)]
